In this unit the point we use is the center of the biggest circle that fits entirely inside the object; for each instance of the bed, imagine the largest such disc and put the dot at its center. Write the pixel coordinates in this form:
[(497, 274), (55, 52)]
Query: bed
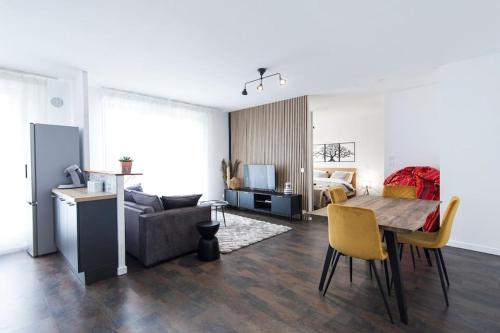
[(322, 185)]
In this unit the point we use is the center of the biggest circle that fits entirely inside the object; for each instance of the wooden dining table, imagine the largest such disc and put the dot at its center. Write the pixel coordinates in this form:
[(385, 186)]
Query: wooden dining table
[(393, 216)]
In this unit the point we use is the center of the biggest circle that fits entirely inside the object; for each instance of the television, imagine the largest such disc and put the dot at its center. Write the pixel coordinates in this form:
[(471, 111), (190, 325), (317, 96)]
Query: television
[(259, 176)]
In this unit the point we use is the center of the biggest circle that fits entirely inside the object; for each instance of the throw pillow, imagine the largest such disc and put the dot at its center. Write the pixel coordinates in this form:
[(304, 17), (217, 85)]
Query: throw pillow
[(148, 200), (320, 174), (180, 201), (128, 195), (342, 175)]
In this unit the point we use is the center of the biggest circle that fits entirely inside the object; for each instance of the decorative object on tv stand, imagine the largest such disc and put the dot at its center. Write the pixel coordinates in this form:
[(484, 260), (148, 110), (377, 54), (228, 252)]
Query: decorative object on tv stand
[(260, 87), (126, 162), (229, 171), (335, 152), (288, 188)]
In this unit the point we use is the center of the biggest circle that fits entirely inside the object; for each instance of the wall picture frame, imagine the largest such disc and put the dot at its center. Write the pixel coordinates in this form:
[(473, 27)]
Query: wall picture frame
[(335, 152)]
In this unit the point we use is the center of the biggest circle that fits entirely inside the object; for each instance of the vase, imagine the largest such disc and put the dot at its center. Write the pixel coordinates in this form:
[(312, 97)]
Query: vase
[(234, 183), (126, 168)]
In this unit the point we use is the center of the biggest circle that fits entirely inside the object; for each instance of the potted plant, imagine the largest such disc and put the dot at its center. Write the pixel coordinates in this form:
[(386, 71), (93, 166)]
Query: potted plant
[(126, 162)]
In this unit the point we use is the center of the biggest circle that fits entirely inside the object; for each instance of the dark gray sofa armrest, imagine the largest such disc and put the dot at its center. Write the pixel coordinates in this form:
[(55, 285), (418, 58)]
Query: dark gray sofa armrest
[(170, 233), (132, 231)]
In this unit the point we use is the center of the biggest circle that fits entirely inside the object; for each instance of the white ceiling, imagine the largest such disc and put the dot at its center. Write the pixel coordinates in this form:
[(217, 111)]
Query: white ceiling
[(203, 51)]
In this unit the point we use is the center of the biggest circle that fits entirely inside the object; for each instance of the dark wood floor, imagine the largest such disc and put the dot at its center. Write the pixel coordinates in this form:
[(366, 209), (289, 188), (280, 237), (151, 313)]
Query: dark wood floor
[(270, 286)]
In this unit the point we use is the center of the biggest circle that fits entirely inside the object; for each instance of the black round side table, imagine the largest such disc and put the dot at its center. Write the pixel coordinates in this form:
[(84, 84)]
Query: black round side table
[(208, 246)]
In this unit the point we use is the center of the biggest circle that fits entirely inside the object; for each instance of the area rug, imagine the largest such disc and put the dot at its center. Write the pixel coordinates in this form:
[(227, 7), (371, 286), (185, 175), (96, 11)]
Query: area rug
[(243, 231)]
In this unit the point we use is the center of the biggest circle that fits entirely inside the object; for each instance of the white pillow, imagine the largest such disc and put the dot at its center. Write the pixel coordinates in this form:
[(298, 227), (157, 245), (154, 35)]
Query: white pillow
[(343, 175), (320, 174)]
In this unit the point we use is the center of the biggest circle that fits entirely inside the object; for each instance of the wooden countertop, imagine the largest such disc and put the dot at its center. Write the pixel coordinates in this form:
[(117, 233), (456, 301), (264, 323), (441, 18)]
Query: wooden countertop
[(81, 194), (113, 173)]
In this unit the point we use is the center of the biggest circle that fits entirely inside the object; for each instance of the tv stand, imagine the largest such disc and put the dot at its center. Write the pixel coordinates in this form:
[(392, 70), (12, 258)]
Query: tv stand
[(275, 203)]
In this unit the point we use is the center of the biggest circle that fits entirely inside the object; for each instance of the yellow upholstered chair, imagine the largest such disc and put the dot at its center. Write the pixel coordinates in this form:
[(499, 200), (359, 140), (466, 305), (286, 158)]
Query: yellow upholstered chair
[(354, 232), (403, 192), (400, 191), (436, 240), (337, 195)]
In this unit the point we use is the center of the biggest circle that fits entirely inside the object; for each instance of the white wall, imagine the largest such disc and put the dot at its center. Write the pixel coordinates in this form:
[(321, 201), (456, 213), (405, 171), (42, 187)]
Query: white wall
[(469, 107), (411, 128), (454, 125), (358, 119)]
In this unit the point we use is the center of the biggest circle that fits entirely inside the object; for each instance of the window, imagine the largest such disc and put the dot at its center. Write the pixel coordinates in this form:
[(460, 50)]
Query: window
[(167, 140)]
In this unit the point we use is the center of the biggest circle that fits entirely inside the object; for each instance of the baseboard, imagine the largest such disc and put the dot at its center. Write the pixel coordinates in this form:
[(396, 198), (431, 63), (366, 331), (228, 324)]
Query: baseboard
[(475, 247), (121, 270)]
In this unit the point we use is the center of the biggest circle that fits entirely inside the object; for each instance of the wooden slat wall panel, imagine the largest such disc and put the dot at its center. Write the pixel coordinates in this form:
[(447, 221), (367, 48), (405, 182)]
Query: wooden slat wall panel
[(276, 134)]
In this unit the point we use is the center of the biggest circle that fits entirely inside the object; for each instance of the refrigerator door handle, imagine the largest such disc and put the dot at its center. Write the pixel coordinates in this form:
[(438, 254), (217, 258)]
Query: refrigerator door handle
[(32, 203)]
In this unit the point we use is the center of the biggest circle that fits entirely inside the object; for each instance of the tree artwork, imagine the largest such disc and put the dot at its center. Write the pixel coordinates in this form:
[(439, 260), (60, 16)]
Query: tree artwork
[(334, 152)]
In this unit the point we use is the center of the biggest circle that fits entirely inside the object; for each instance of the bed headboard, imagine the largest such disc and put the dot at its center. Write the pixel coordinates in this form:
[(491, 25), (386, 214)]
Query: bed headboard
[(332, 170)]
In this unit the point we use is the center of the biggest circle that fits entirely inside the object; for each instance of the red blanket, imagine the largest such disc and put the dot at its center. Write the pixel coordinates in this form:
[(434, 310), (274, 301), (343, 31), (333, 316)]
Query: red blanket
[(427, 182)]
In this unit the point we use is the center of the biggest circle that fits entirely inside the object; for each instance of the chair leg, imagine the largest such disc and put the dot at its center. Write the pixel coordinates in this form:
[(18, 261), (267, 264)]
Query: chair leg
[(413, 257), (444, 267), (330, 253), (386, 273), (427, 255), (372, 265), (350, 269), (334, 254), (335, 261), (440, 270), (418, 251), (223, 216)]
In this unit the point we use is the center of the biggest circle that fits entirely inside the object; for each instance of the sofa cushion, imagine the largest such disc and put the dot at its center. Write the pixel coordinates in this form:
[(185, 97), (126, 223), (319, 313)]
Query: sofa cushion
[(128, 196), (143, 209), (148, 200), (180, 201)]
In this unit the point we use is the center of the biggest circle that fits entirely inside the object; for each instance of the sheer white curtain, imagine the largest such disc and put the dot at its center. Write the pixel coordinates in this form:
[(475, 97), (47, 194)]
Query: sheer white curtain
[(22, 100), (167, 140)]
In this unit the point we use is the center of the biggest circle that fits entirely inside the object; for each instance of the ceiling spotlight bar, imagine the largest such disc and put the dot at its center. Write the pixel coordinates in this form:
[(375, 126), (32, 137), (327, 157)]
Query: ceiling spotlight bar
[(260, 87)]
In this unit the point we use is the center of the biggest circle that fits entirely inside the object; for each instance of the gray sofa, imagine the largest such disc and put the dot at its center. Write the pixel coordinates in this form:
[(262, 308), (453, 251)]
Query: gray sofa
[(154, 237)]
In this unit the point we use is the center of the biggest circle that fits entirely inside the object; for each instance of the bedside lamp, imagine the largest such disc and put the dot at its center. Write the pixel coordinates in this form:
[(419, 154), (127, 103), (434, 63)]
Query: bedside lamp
[(367, 184)]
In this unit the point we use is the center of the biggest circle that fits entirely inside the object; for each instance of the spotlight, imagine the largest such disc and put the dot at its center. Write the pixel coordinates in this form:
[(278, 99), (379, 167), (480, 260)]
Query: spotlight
[(244, 92), (282, 81), (260, 87)]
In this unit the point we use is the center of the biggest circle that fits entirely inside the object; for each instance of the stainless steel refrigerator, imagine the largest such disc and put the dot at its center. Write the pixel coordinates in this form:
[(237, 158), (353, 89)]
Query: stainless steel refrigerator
[(52, 149)]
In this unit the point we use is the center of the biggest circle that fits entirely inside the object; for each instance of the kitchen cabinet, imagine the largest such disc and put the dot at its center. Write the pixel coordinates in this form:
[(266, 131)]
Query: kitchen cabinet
[(86, 233)]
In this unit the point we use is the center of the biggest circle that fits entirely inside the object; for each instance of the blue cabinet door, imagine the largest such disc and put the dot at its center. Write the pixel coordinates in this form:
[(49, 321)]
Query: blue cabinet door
[(281, 205), (246, 200), (232, 197)]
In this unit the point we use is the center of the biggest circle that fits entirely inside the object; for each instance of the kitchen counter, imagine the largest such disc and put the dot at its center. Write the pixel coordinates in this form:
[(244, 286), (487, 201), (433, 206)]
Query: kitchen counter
[(86, 231), (81, 194), (113, 173)]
